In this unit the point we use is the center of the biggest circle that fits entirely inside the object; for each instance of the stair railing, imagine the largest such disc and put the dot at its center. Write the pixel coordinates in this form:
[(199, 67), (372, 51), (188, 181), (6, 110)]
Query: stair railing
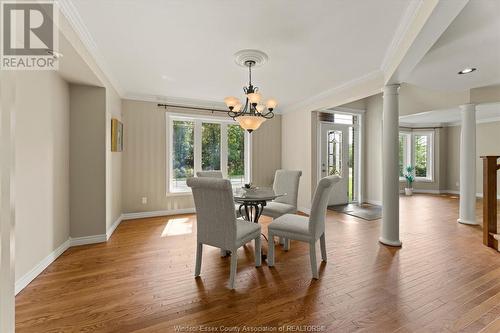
[(491, 235)]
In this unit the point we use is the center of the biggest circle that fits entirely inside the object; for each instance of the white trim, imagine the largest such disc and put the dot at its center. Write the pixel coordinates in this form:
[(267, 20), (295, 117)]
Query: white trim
[(401, 31), (69, 10), (345, 110), (374, 202), (347, 86), (85, 240), (23, 281), (141, 215), (113, 227), (424, 191)]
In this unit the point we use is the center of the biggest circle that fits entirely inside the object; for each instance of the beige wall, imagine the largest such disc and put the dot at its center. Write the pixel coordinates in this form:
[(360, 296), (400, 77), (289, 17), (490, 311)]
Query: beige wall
[(413, 99), (372, 187), (296, 151), (87, 160), (490, 94), (41, 167), (266, 152), (145, 161), (487, 143), (113, 161)]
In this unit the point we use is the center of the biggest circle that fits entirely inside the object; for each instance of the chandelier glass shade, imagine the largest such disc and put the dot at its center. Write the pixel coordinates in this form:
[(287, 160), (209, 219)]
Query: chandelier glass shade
[(253, 113)]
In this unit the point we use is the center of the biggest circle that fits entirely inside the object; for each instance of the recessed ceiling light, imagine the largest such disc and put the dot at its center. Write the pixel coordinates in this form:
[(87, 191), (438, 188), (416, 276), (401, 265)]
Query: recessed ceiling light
[(55, 54), (467, 70)]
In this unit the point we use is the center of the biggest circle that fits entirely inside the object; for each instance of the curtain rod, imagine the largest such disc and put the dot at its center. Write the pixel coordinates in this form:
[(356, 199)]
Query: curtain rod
[(418, 128), (165, 106)]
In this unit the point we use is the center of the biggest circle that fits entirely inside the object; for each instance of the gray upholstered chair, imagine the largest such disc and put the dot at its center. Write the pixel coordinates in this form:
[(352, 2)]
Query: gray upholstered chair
[(305, 229), (218, 174), (217, 224), (285, 181), (210, 174)]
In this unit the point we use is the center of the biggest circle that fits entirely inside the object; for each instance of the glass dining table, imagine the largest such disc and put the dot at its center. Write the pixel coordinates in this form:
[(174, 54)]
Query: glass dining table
[(253, 201)]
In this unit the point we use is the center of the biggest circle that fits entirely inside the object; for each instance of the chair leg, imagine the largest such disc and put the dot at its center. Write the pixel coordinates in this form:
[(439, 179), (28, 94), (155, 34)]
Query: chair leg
[(270, 250), (258, 253), (323, 247), (234, 264), (286, 245), (199, 253), (312, 255)]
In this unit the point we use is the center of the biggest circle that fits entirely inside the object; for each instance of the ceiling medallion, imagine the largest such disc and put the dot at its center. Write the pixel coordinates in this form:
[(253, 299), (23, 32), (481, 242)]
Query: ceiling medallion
[(252, 114)]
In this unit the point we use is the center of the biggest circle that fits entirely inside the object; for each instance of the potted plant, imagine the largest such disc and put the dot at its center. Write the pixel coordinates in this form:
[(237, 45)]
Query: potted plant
[(409, 179)]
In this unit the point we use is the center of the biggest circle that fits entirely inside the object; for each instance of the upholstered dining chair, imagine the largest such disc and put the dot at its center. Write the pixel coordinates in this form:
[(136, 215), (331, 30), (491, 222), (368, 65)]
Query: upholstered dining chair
[(285, 182), (216, 222), (305, 229), (210, 174), (218, 174)]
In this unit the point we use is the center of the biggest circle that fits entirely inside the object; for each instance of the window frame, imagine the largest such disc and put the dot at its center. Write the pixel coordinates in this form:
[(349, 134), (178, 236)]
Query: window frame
[(198, 120), (410, 147), (407, 151), (429, 153)]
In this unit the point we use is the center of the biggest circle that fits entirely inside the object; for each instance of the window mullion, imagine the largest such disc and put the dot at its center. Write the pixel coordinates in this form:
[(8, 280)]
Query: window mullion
[(223, 150), (197, 146)]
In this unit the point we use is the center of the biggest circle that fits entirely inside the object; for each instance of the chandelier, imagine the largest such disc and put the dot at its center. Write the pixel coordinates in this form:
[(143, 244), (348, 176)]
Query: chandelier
[(251, 115)]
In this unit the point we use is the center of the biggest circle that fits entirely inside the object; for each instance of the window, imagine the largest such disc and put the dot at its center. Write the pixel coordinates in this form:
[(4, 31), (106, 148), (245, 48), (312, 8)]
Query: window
[(404, 152), (421, 151), (182, 153), (415, 148), (210, 146), (206, 144)]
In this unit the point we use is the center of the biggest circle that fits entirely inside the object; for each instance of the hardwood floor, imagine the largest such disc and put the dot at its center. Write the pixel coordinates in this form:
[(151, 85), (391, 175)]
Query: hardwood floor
[(442, 280)]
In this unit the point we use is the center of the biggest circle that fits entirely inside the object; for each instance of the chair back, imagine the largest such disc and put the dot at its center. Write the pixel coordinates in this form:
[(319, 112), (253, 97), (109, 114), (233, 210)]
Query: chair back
[(209, 174), (287, 181), (320, 204), (215, 215)]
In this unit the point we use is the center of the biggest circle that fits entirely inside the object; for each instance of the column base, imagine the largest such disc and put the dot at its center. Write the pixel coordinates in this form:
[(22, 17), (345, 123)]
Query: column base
[(468, 222), (396, 243)]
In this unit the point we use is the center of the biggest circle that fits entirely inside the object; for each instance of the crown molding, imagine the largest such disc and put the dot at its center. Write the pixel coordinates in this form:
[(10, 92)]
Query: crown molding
[(179, 101), (323, 97), (401, 30), (69, 10)]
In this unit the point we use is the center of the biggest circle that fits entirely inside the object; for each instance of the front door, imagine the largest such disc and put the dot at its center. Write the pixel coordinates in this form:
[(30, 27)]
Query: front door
[(335, 159)]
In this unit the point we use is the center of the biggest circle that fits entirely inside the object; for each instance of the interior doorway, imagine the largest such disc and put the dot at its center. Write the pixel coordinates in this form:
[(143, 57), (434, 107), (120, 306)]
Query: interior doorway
[(339, 154)]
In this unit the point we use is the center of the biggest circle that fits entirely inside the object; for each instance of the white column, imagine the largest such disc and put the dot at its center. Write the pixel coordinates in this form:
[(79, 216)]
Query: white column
[(390, 167), (468, 165), (7, 97)]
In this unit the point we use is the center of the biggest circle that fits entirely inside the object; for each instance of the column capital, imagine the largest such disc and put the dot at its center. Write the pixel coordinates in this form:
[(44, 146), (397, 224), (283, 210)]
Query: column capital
[(391, 89)]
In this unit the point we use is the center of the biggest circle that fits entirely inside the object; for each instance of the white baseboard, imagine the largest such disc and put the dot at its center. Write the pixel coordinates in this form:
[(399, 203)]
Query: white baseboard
[(478, 195), (22, 282), (77, 241), (141, 215), (374, 202), (113, 227)]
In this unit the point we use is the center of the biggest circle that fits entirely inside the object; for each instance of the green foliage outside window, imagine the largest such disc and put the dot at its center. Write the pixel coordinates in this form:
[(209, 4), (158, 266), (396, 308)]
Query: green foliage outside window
[(210, 146), (421, 155), (236, 151), (183, 149)]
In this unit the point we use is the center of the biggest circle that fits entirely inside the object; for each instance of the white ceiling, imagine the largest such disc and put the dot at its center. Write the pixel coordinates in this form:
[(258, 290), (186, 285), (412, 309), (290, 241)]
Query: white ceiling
[(472, 40), (313, 46), (484, 113)]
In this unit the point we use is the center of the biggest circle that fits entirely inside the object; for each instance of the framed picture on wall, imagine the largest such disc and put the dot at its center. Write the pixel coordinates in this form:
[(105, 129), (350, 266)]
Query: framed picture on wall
[(116, 135)]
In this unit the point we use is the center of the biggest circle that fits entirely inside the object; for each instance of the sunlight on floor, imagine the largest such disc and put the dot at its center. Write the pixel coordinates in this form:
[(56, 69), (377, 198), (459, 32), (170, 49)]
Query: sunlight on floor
[(176, 227)]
